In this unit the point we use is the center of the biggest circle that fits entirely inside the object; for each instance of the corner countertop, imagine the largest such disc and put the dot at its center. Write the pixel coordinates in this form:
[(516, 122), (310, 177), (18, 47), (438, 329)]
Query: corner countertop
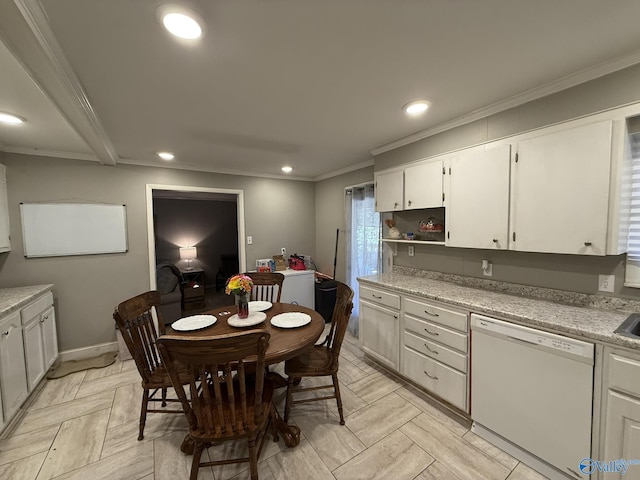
[(12, 299), (575, 320)]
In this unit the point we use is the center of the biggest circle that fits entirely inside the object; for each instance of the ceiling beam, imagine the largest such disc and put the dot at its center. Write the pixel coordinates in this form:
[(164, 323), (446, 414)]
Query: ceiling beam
[(25, 31)]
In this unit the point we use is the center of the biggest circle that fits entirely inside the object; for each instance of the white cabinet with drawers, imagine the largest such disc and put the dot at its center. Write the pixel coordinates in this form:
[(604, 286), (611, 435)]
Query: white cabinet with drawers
[(40, 338), (434, 349), (13, 376), (425, 341)]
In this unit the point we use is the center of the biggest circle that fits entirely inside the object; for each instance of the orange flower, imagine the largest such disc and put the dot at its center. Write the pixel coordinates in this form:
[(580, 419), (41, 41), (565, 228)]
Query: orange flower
[(238, 284)]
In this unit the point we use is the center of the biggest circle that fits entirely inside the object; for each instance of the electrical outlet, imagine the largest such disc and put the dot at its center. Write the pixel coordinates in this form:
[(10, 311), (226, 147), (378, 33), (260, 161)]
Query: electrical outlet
[(487, 268), (249, 240), (606, 283), (412, 250), (283, 251)]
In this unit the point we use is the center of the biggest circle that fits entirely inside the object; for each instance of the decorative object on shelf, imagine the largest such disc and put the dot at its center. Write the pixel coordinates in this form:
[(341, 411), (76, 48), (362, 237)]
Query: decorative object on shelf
[(240, 286), (429, 227), (188, 254), (393, 230), (408, 236)]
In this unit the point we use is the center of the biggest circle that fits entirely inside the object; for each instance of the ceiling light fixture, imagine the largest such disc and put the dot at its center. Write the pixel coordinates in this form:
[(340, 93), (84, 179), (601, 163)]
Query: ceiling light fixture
[(287, 169), (416, 108), (166, 155), (181, 22), (10, 119)]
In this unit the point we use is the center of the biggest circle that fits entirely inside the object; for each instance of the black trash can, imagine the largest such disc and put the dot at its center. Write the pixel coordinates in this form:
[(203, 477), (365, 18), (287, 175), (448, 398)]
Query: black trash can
[(326, 298)]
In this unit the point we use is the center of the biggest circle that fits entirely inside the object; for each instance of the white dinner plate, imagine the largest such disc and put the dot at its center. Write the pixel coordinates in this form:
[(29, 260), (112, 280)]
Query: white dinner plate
[(195, 322), (290, 320), (254, 318), (259, 306)]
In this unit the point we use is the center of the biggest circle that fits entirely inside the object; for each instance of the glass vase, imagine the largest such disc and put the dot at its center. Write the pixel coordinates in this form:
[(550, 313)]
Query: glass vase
[(242, 304)]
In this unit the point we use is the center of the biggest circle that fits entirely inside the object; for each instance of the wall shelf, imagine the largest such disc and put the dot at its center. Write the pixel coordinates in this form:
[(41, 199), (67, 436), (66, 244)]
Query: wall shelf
[(423, 242)]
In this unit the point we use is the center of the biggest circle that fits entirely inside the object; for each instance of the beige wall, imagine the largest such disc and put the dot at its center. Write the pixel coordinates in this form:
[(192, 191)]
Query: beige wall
[(87, 288), (329, 198), (567, 272)]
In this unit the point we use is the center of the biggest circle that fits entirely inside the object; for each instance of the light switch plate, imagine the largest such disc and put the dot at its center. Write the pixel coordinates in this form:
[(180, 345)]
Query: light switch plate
[(249, 240), (606, 283)]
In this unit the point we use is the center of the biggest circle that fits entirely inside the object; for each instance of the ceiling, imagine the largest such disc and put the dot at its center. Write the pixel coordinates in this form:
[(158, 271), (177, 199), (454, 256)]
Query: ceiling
[(317, 85)]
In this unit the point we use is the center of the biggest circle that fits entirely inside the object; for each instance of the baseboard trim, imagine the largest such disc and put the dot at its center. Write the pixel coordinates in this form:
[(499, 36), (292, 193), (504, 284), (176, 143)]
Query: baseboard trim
[(88, 352)]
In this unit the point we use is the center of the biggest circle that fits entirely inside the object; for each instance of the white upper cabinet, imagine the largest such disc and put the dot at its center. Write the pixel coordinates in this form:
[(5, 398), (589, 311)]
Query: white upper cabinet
[(423, 185), (560, 191), (477, 198), (389, 189), (5, 244)]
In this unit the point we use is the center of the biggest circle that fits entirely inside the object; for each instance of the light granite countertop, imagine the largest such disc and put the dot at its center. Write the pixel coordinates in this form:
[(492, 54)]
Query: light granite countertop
[(553, 312), (12, 299)]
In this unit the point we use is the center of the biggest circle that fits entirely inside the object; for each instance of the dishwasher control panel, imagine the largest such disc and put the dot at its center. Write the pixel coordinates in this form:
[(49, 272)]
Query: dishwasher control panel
[(532, 336)]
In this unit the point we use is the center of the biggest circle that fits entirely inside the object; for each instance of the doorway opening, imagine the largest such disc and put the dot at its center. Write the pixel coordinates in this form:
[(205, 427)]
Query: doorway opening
[(195, 238)]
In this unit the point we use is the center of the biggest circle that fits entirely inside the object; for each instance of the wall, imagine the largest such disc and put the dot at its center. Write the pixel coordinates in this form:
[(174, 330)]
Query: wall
[(566, 272), (210, 225), (329, 198), (614, 90), (87, 288)]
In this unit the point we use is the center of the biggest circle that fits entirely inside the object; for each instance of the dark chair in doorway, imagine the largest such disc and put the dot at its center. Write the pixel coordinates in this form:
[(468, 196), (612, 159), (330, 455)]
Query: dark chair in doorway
[(168, 284)]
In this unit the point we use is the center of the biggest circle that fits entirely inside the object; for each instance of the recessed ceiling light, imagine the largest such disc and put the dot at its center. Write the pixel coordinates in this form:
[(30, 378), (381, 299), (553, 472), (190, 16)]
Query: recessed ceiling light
[(415, 108), (166, 155), (181, 22), (10, 119), (287, 169)]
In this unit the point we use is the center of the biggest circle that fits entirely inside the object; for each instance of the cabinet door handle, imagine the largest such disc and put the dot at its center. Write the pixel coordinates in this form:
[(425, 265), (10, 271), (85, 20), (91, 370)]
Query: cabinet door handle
[(431, 314), (430, 376), (587, 244), (409, 202), (395, 316), (5, 334), (431, 333), (375, 296), (495, 240), (432, 351)]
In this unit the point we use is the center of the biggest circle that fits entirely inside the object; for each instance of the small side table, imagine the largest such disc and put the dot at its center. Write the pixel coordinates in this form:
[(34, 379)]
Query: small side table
[(193, 289)]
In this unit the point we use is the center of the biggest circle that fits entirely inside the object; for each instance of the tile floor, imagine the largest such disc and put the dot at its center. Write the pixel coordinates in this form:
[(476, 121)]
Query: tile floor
[(84, 426)]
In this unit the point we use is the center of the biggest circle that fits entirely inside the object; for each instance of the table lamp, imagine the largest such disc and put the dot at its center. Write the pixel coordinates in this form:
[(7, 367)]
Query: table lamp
[(188, 254)]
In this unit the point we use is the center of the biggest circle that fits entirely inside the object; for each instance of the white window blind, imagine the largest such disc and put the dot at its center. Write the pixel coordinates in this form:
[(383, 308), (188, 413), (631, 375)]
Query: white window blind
[(631, 194)]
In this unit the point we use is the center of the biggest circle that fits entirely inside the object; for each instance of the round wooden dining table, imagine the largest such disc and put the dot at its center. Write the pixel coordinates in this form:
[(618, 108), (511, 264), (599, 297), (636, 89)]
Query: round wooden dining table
[(285, 343)]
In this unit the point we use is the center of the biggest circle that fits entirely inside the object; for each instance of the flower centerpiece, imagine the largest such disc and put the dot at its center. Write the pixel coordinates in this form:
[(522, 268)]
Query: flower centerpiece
[(240, 286)]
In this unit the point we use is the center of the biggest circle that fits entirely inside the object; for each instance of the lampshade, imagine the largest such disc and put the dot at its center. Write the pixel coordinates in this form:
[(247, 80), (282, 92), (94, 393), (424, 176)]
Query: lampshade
[(188, 253)]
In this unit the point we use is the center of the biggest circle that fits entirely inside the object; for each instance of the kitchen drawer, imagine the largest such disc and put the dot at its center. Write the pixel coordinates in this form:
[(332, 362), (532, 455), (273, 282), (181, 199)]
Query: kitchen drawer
[(445, 382), (440, 334), (36, 308), (436, 351), (381, 297), (624, 374), (437, 314)]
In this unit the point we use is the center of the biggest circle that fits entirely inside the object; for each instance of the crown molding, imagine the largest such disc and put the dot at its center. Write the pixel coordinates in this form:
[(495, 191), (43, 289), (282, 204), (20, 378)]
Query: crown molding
[(342, 171), (544, 90), (221, 171), (49, 153), (26, 32)]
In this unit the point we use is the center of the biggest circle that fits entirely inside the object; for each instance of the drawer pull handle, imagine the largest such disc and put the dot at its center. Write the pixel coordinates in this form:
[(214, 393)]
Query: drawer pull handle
[(431, 333), (435, 352), (430, 376), (375, 296), (431, 314), (587, 244), (5, 334), (395, 316)]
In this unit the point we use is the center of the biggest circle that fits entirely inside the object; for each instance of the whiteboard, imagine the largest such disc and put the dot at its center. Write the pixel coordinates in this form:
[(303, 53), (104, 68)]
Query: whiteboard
[(55, 229)]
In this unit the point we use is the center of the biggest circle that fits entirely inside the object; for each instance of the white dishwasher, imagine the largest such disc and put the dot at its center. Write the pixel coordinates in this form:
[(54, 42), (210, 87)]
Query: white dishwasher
[(531, 394)]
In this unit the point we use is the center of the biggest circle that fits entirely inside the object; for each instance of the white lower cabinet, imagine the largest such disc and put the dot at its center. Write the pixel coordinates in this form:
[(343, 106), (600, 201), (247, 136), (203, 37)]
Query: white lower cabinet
[(28, 347), (422, 340), (13, 375), (620, 435), (40, 338)]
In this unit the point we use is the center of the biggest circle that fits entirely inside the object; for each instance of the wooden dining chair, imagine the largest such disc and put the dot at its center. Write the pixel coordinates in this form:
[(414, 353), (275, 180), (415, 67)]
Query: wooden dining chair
[(267, 286), (135, 322), (322, 359), (226, 401)]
